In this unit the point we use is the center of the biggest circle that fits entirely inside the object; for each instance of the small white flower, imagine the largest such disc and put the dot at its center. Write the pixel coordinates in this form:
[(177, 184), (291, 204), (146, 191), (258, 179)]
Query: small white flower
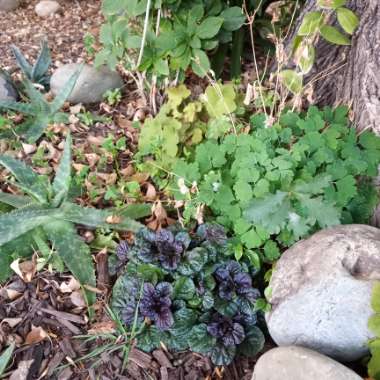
[(182, 187)]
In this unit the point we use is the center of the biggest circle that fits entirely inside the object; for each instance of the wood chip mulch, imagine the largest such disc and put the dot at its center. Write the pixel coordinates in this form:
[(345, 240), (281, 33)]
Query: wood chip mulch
[(64, 31)]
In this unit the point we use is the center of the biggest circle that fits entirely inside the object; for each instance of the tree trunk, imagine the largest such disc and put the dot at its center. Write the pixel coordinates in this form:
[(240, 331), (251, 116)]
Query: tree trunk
[(350, 74)]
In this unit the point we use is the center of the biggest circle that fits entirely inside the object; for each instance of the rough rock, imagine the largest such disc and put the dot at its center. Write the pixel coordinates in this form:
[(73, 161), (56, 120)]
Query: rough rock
[(298, 363), (9, 5), (7, 90), (91, 84), (321, 290), (47, 7)]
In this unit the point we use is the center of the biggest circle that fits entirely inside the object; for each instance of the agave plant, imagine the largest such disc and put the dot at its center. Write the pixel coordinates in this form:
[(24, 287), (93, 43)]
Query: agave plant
[(45, 211), (39, 112), (37, 73)]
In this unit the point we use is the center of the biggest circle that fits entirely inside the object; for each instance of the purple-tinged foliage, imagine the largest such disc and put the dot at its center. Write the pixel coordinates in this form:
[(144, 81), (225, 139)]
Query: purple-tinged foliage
[(232, 281), (226, 329), (186, 292), (156, 304)]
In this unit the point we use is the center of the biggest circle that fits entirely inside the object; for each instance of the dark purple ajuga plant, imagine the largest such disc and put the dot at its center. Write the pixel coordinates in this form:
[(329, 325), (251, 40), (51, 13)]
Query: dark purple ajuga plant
[(169, 249), (227, 330), (233, 281), (156, 304)]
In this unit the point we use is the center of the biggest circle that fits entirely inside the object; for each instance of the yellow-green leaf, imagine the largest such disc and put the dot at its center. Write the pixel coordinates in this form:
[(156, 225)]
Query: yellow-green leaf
[(305, 57), (347, 20), (374, 324), (292, 80), (375, 300), (331, 34), (331, 4), (310, 23)]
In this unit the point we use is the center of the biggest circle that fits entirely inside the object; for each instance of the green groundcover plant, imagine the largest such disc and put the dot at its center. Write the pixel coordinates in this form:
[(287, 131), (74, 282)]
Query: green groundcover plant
[(374, 326), (46, 214), (275, 185), (185, 291)]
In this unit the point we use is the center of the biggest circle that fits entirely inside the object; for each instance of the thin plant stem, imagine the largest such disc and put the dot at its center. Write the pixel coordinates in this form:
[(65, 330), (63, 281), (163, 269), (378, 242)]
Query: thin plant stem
[(145, 31)]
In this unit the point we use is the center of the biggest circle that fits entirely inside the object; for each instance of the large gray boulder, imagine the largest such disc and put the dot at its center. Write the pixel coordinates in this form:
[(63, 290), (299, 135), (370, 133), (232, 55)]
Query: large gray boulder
[(47, 8), (9, 5), (7, 90), (321, 290), (91, 84), (298, 363)]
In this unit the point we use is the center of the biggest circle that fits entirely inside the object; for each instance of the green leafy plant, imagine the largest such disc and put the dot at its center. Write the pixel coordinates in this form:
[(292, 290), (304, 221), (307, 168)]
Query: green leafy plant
[(315, 24), (275, 185), (39, 112), (374, 326), (188, 293), (183, 123), (45, 213), (5, 357), (37, 73)]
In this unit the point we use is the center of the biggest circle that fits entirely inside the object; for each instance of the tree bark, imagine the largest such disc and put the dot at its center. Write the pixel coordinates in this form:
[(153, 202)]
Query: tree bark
[(350, 74)]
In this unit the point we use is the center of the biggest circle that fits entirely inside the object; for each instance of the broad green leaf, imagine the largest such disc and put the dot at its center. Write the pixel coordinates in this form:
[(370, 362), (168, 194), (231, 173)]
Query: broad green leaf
[(374, 324), (326, 214), (62, 180), (201, 63), (305, 57), (374, 364), (5, 357), (135, 211), (222, 355), (176, 96), (220, 99), (199, 339), (14, 200), (253, 342), (93, 217), (183, 288), (184, 320), (209, 27), (18, 222), (347, 20), (292, 80), (26, 177), (331, 34), (331, 4), (65, 92), (310, 23), (234, 18), (375, 298), (74, 252)]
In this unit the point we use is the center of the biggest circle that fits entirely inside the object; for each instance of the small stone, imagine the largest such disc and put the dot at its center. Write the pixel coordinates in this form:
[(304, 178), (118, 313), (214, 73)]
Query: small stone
[(297, 363), (321, 292), (91, 84), (9, 5), (47, 8), (29, 148), (7, 90)]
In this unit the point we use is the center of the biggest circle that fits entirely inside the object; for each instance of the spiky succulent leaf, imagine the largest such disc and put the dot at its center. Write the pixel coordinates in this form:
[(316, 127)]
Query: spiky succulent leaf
[(62, 96), (5, 357), (62, 180), (74, 252), (14, 200), (16, 223), (25, 108), (136, 211), (92, 217), (24, 65), (36, 97), (42, 64), (36, 128), (28, 180)]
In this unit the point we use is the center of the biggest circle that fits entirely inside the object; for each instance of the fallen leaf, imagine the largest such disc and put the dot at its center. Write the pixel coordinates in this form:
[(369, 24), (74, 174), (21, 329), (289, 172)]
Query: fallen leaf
[(151, 193), (107, 327), (77, 299), (12, 322), (25, 270), (36, 335), (70, 286)]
